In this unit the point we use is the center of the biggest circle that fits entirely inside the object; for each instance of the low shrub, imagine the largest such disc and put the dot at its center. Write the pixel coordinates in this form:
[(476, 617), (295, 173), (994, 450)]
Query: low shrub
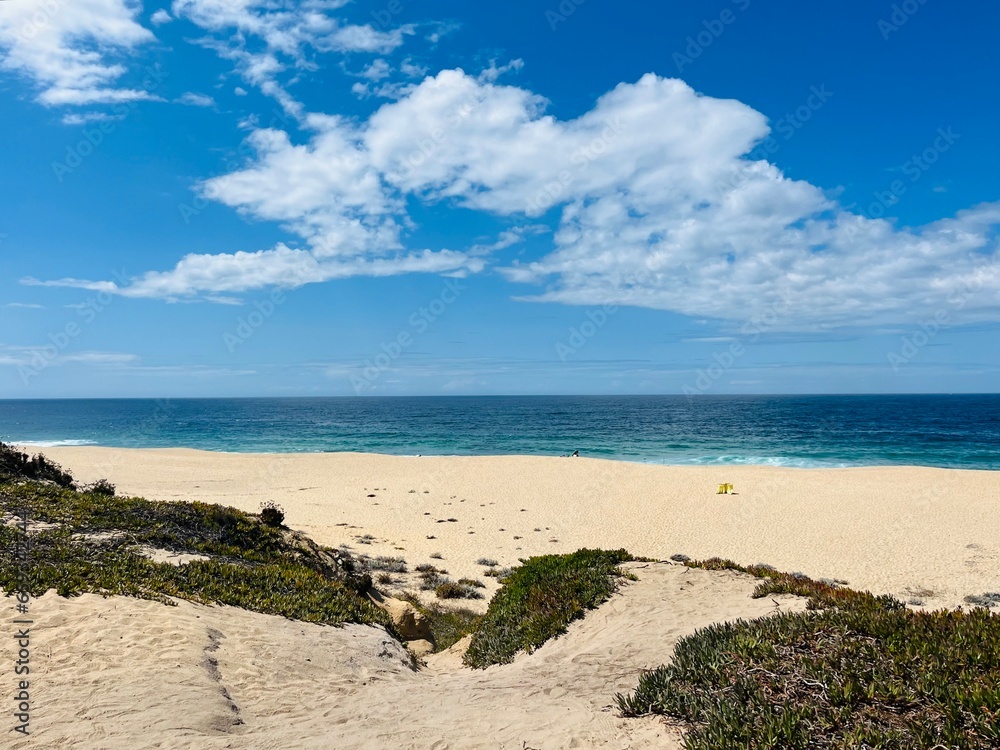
[(539, 599), (390, 564), (853, 671), (93, 542), (452, 590), (488, 562), (449, 624), (272, 514), (15, 464), (984, 600), (100, 487)]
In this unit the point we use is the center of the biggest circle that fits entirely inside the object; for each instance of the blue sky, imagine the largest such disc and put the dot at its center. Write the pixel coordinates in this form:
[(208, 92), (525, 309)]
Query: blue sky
[(229, 198)]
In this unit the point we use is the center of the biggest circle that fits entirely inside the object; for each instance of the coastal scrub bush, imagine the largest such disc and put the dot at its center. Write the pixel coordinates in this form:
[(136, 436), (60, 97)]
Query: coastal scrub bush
[(539, 599), (460, 590), (990, 599), (390, 564), (88, 542), (100, 487), (448, 625), (487, 561), (430, 580), (272, 514), (15, 464), (501, 574), (853, 671)]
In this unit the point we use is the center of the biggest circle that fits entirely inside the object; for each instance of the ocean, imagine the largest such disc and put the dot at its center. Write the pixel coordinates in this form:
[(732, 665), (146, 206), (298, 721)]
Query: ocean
[(961, 431)]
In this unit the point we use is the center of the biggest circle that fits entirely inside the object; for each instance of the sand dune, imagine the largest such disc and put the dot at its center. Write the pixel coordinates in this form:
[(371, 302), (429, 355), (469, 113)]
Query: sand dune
[(918, 533), (130, 674)]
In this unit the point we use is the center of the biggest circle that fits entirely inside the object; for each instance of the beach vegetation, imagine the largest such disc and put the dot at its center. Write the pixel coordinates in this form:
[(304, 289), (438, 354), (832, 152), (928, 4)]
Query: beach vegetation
[(501, 574), (989, 599), (448, 624), (487, 562), (100, 487), (430, 580), (390, 564), (86, 541), (15, 464), (457, 590), (271, 514), (853, 670), (539, 599)]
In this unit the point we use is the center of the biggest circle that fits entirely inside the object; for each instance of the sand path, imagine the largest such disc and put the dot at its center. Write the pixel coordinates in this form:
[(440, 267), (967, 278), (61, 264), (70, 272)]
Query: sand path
[(124, 673)]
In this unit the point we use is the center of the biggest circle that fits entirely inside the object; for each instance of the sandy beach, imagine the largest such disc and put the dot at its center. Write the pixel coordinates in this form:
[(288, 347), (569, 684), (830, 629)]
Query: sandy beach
[(917, 533), (125, 673)]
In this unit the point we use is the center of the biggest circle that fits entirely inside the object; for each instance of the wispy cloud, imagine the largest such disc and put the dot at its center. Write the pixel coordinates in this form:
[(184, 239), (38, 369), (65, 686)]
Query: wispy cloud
[(195, 100)]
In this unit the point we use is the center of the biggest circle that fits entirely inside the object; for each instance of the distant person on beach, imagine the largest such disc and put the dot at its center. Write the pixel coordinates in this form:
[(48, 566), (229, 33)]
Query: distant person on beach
[(574, 454)]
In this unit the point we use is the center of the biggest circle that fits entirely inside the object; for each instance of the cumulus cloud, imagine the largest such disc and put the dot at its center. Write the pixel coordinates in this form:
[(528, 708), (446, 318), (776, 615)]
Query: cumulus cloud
[(653, 197), (72, 50), (160, 17)]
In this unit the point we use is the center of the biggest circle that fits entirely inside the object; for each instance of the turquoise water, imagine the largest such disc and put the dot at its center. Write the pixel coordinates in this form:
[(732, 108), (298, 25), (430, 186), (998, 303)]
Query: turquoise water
[(954, 431)]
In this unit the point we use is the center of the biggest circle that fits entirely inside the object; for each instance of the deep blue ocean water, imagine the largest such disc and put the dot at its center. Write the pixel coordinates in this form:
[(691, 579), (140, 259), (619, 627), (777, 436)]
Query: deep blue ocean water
[(952, 431)]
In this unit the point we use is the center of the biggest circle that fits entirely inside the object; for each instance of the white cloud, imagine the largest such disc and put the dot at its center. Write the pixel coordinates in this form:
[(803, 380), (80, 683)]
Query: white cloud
[(658, 205), (206, 275), (377, 70), (411, 70), (290, 30), (240, 91), (82, 118), (27, 356), (70, 48), (195, 100), (160, 17), (24, 306)]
